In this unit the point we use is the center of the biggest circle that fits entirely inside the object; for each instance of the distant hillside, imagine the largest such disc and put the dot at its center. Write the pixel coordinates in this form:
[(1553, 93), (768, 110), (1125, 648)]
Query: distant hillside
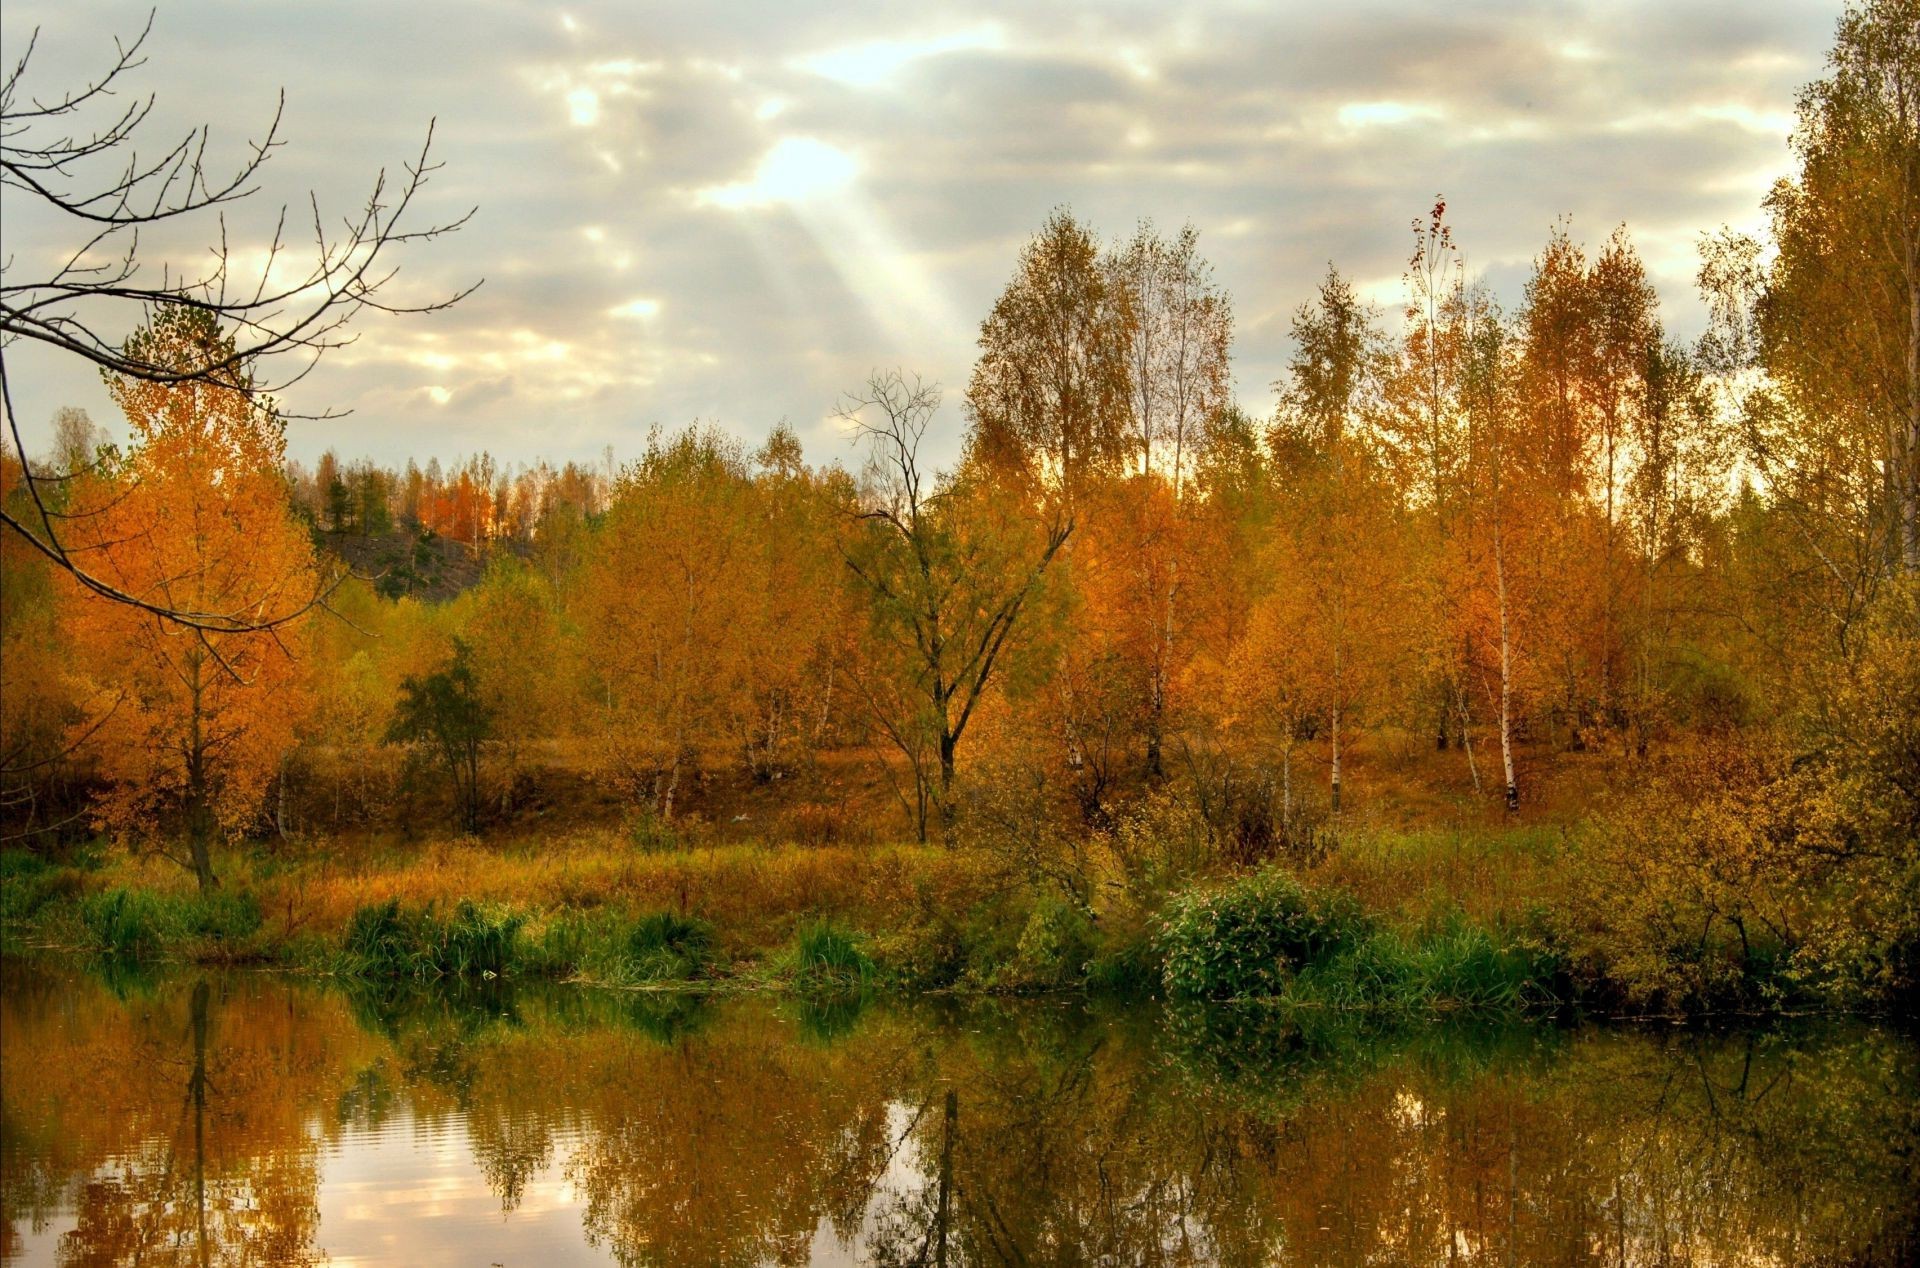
[(414, 562)]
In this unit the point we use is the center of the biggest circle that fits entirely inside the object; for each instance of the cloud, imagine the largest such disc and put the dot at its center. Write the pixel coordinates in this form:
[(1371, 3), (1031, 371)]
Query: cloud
[(687, 212), (795, 170)]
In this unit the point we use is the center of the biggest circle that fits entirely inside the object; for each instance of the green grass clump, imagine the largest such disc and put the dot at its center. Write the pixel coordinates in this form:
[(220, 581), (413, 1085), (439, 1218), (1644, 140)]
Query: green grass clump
[(384, 940), (1456, 966), (138, 924), (476, 942), (665, 946), (826, 957), (605, 946), (123, 924)]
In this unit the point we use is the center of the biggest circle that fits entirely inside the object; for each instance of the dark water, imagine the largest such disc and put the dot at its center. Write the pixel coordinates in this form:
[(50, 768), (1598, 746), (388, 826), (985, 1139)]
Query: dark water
[(250, 1119)]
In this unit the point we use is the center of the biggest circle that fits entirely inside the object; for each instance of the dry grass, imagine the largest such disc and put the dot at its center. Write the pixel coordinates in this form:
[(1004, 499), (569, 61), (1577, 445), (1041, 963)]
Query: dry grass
[(1493, 876), (756, 895)]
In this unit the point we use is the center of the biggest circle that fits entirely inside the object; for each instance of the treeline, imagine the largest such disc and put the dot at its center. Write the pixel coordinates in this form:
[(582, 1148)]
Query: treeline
[(476, 502), (1546, 529)]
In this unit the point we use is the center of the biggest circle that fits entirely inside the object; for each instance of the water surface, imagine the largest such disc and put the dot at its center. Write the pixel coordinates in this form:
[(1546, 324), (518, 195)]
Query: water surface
[(254, 1119)]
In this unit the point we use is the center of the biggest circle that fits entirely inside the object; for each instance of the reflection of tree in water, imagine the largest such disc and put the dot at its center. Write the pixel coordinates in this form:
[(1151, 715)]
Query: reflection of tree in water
[(743, 1132), (225, 1183), (726, 1150), (1475, 1148)]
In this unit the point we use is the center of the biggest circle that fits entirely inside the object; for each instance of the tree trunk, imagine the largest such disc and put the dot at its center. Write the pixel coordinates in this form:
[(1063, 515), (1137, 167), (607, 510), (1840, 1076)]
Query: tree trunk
[(949, 746), (199, 805), (1334, 791), (1506, 675), (1909, 460), (1466, 738), (1286, 777)]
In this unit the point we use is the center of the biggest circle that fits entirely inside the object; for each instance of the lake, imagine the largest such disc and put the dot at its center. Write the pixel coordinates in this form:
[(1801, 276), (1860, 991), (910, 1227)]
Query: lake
[(249, 1118)]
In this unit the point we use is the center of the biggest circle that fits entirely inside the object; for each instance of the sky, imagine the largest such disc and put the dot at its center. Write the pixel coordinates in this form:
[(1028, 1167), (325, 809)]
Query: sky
[(731, 213)]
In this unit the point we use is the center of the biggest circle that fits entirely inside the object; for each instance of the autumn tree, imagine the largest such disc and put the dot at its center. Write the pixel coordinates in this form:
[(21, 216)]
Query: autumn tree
[(1499, 524), (446, 712), (668, 606), (947, 564), (1423, 433), (524, 659), (709, 601), (1625, 338), (1047, 402), (1823, 341), (1178, 327), (194, 721), (1338, 526), (1555, 465)]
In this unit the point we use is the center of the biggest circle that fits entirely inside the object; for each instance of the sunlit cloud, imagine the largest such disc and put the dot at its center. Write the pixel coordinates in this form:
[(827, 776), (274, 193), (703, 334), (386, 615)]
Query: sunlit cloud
[(796, 169), (583, 107), (1387, 114), (876, 63), (640, 309)]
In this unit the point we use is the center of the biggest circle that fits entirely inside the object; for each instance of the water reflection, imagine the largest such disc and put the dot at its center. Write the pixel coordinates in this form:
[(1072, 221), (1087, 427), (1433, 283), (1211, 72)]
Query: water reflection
[(249, 1119)]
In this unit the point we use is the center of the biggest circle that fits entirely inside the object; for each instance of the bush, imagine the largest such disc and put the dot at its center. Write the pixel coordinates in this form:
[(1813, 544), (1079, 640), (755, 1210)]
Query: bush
[(1694, 891), (1245, 940), (1054, 948)]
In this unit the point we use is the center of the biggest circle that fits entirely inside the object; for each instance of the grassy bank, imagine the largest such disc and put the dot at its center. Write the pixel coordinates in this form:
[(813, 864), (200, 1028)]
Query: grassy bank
[(1402, 923)]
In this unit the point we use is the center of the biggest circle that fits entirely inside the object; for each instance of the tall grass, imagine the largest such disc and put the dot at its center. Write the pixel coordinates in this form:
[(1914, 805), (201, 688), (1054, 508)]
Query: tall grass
[(141, 924), (827, 957), (384, 940)]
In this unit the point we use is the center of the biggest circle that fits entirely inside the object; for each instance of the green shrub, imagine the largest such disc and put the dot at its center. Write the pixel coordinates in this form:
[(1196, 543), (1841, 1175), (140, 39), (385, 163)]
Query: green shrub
[(1055, 945), (224, 916), (1245, 940)]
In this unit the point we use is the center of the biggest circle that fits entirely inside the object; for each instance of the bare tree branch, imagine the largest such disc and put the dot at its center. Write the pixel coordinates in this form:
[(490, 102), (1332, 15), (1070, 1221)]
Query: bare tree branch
[(99, 180)]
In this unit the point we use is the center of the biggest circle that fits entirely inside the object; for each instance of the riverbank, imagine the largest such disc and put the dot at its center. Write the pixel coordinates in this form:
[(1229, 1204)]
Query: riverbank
[(1406, 923)]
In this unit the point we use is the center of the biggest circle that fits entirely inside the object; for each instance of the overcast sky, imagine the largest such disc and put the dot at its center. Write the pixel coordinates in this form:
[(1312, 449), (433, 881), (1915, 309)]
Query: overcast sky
[(730, 213)]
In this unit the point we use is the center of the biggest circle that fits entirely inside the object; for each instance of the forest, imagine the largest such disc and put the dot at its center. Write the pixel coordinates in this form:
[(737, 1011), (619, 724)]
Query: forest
[(1524, 655)]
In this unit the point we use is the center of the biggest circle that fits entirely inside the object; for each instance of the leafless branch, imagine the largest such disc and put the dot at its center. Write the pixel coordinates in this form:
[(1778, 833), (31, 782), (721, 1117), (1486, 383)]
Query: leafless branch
[(99, 180)]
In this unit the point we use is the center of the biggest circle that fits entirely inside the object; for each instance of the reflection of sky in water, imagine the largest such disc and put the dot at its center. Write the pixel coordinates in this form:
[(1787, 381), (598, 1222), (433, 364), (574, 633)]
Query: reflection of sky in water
[(409, 1192)]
